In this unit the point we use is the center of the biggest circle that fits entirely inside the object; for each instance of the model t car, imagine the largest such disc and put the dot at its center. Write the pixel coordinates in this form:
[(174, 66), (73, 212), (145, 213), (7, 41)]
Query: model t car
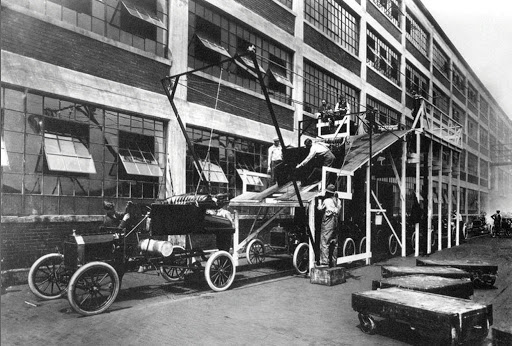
[(91, 269)]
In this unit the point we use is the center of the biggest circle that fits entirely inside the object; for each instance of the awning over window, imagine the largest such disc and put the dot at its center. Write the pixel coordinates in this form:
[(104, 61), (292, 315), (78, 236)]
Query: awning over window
[(141, 13), (250, 177), (136, 162), (248, 66), (213, 173), (212, 45), (280, 78), (67, 154), (5, 158), (359, 150)]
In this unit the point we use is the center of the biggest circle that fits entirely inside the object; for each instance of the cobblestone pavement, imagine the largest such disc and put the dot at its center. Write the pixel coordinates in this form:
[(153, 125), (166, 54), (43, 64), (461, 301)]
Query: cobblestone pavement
[(282, 310)]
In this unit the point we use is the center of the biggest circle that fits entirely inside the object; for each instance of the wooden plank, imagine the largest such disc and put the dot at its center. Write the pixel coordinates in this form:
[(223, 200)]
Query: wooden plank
[(460, 288), (447, 272), (449, 319)]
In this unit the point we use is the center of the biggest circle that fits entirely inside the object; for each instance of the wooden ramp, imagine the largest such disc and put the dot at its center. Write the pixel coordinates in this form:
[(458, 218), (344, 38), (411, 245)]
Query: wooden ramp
[(482, 272), (446, 319), (446, 272), (459, 288)]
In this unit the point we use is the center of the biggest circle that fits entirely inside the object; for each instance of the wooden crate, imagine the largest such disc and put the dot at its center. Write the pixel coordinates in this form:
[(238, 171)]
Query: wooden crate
[(328, 276), (482, 272), (446, 272), (446, 319), (459, 288)]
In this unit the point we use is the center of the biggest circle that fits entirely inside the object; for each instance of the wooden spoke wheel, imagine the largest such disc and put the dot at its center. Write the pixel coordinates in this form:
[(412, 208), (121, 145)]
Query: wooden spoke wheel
[(220, 271), (47, 278), (93, 288), (301, 258), (176, 270), (255, 252)]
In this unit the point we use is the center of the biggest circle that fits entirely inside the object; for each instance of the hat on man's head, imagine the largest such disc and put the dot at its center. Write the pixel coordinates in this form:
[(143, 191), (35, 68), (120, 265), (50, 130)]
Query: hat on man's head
[(276, 139), (331, 189)]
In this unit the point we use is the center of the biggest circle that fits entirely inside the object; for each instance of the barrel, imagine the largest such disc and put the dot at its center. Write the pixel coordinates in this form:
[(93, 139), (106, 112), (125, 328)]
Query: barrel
[(156, 247)]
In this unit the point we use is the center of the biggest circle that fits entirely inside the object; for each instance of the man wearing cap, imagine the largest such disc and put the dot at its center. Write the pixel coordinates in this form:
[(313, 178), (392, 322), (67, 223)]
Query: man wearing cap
[(112, 217), (331, 206), (275, 157)]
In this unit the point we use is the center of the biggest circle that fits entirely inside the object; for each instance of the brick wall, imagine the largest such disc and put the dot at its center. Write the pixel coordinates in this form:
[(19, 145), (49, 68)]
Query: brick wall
[(383, 84), (24, 242), (235, 102), (272, 12), (31, 37)]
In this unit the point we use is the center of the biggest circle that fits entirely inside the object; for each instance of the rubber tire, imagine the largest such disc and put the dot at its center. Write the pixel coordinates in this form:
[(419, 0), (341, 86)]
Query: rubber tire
[(301, 258), (392, 245), (54, 273), (367, 324), (362, 245), (220, 271), (255, 252), (347, 245), (171, 273), (111, 287)]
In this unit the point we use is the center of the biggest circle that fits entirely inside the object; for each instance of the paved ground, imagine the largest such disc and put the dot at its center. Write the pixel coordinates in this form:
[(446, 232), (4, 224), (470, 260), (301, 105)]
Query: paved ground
[(283, 310)]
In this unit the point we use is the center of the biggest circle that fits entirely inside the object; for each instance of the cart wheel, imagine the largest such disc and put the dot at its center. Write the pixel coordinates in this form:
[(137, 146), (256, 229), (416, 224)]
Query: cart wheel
[(220, 271), (301, 258), (255, 252), (48, 278), (175, 271), (393, 244), (362, 245), (367, 324), (93, 288), (349, 247)]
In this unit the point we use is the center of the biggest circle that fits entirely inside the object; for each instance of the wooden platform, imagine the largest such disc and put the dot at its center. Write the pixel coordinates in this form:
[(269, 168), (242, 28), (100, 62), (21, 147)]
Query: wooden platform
[(446, 272), (481, 271), (446, 319), (459, 288), (328, 276)]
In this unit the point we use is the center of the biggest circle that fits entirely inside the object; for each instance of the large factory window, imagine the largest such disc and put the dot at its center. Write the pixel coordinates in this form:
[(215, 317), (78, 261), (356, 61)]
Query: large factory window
[(231, 154), (382, 57), (440, 60), (226, 33), (417, 34), (138, 23), (66, 157), (336, 21), (137, 155), (320, 84)]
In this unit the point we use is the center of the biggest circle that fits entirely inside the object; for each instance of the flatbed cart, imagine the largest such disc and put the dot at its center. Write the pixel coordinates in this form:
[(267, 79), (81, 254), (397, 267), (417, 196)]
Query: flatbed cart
[(446, 272), (451, 321), (459, 288), (482, 272)]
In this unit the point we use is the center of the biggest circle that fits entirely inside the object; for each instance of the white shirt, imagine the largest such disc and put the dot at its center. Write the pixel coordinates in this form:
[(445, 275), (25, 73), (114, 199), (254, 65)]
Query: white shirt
[(331, 206), (339, 107), (316, 148), (275, 153)]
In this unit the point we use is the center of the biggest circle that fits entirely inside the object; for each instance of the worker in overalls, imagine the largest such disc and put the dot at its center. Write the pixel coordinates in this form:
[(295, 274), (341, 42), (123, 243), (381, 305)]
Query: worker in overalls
[(320, 155), (328, 234)]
